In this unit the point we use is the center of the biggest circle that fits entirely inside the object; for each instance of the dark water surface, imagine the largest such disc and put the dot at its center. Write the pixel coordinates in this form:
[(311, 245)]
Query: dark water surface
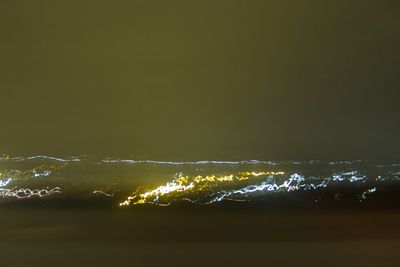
[(76, 237)]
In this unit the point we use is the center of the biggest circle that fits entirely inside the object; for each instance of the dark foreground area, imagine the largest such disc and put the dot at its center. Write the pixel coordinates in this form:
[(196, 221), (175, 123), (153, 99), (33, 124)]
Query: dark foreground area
[(46, 236)]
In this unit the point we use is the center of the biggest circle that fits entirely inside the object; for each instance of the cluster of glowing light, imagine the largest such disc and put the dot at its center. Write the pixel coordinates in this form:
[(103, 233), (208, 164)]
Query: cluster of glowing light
[(23, 177), (351, 176), (192, 185), (22, 193), (99, 192), (369, 191), (4, 183), (37, 172), (242, 186), (293, 183)]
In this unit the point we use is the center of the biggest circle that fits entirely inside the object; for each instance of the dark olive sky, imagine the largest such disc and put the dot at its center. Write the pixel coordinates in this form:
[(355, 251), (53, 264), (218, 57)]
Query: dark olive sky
[(201, 79)]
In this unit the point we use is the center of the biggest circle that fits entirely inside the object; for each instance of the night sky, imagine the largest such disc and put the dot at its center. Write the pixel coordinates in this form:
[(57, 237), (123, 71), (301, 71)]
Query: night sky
[(202, 79)]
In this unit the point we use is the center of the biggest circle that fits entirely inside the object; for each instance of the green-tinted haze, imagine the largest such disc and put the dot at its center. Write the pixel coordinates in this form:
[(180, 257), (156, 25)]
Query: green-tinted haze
[(200, 79)]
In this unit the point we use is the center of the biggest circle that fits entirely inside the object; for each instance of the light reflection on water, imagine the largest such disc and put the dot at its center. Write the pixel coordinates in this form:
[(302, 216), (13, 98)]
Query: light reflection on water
[(203, 182)]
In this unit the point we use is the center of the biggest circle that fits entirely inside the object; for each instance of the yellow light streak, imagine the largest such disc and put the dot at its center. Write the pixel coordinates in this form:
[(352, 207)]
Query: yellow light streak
[(187, 184)]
